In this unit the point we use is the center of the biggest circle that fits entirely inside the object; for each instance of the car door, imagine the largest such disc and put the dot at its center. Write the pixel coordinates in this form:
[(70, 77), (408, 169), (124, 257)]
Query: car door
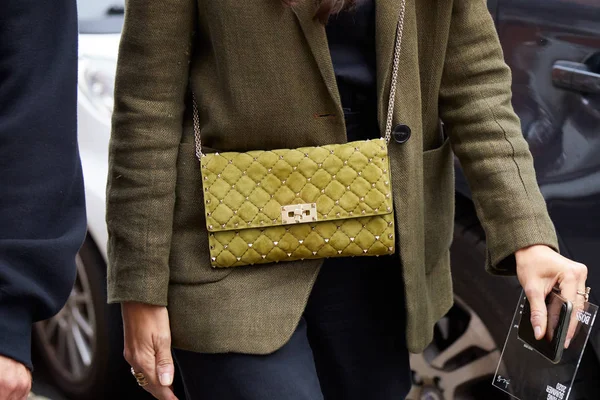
[(553, 48)]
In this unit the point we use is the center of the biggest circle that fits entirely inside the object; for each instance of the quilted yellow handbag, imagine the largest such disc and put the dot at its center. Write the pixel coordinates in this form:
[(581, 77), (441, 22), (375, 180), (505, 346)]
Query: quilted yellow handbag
[(305, 203)]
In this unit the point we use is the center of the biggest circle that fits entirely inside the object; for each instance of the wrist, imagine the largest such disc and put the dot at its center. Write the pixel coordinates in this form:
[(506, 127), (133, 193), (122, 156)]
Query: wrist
[(525, 252), (138, 306), (525, 255)]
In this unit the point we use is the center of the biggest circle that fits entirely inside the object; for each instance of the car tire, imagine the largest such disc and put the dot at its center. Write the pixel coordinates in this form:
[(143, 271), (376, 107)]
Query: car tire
[(493, 298), (105, 374)]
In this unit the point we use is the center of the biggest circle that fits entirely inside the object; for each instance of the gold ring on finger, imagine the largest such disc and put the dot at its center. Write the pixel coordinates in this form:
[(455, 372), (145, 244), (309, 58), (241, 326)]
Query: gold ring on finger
[(142, 382), (139, 377), (586, 294)]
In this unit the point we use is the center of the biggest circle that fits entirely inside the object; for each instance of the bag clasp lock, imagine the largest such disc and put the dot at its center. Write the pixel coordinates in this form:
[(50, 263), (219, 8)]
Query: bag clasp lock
[(297, 213)]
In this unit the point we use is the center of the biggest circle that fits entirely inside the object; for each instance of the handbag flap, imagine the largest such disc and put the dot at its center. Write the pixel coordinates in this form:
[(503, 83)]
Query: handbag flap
[(260, 189)]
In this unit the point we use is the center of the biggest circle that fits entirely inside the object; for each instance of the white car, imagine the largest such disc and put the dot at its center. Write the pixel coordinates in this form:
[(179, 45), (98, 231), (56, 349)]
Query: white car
[(82, 346)]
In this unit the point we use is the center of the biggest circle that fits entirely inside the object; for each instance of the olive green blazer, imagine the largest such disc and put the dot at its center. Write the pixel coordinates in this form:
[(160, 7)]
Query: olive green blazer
[(264, 79)]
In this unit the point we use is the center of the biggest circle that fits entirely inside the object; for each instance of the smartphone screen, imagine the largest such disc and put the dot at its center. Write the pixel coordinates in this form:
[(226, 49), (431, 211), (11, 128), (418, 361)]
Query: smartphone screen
[(559, 316)]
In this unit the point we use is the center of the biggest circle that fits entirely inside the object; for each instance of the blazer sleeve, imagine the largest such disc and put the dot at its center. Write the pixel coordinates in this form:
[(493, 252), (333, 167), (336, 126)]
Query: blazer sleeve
[(42, 205), (152, 78), (485, 132)]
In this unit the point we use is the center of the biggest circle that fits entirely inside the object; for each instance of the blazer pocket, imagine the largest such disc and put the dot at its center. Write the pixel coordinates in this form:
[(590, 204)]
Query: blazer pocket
[(438, 193), (190, 256)]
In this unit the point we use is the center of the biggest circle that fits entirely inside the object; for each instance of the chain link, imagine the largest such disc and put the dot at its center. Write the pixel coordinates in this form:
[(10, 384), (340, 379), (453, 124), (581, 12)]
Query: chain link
[(396, 66), (197, 128), (391, 102)]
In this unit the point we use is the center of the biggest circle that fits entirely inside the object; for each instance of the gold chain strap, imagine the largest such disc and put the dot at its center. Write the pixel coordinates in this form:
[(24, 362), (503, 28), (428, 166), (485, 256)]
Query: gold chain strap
[(197, 128), (396, 66), (391, 102)]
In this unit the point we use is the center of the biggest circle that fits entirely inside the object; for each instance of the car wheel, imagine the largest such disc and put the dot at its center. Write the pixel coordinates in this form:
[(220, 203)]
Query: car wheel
[(82, 345), (462, 359), (460, 362)]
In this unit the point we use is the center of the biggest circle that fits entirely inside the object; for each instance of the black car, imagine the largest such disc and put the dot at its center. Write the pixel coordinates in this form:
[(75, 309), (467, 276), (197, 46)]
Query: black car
[(553, 48)]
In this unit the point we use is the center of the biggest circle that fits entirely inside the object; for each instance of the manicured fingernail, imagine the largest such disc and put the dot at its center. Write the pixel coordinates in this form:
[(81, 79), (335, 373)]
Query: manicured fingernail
[(538, 332), (567, 343), (166, 379)]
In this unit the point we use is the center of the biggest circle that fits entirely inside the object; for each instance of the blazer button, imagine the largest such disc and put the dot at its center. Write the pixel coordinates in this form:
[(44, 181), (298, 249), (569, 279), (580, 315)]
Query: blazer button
[(401, 133)]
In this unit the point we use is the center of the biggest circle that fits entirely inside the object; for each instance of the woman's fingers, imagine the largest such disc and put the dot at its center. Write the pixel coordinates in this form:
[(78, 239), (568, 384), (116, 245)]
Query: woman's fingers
[(163, 368), (539, 268), (572, 282), (146, 364), (536, 296), (164, 361), (568, 289), (143, 363)]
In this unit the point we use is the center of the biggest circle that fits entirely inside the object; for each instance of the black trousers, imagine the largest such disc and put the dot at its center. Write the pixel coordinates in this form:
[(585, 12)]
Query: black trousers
[(349, 344)]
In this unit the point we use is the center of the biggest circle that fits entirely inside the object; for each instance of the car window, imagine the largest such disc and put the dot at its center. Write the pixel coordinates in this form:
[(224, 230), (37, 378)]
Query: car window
[(100, 16)]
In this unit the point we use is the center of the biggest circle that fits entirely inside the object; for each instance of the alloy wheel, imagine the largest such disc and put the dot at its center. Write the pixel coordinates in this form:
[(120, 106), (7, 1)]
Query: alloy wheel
[(68, 338), (463, 354)]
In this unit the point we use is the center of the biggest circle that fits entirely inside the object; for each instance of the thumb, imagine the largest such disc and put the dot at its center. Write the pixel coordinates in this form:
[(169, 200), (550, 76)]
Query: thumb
[(537, 304), (164, 364)]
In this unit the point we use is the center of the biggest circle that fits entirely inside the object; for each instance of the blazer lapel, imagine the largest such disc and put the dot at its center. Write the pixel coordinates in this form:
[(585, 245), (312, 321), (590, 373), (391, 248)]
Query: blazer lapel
[(315, 34), (387, 17)]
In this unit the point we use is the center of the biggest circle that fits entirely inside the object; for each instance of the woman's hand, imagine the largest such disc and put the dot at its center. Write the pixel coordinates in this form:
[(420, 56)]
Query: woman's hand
[(148, 346), (539, 269)]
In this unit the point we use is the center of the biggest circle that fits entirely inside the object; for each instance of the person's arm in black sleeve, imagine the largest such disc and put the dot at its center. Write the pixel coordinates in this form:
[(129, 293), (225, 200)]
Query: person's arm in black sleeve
[(42, 206)]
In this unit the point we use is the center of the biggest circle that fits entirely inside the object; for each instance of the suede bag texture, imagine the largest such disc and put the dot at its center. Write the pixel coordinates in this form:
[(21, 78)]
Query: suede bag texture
[(347, 187)]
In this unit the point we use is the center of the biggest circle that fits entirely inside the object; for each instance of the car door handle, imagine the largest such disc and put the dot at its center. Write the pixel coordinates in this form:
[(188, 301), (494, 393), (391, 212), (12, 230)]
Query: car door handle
[(575, 76)]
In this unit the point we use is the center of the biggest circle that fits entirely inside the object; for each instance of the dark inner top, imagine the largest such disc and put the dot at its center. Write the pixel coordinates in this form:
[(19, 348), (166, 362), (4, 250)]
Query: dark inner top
[(351, 36)]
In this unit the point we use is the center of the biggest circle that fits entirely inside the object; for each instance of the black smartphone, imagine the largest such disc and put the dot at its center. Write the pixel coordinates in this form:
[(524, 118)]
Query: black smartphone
[(552, 344)]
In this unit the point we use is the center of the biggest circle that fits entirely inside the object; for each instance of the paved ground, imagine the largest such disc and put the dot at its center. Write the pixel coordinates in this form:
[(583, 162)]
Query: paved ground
[(33, 396), (44, 391), (42, 385)]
